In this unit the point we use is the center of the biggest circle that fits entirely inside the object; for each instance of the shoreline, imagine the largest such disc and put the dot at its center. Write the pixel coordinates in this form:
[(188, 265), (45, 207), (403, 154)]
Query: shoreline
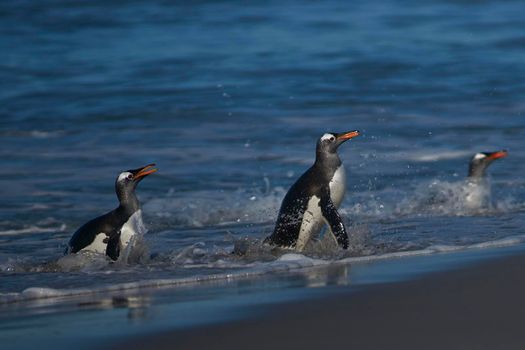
[(291, 263), (479, 306)]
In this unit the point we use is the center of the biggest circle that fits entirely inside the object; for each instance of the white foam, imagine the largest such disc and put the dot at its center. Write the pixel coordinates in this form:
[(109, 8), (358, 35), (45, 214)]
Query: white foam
[(461, 198), (208, 208), (301, 259), (431, 155), (33, 229), (288, 262), (39, 292), (132, 230)]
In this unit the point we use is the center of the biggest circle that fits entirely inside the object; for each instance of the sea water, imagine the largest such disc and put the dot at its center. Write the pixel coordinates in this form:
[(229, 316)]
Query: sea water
[(229, 98)]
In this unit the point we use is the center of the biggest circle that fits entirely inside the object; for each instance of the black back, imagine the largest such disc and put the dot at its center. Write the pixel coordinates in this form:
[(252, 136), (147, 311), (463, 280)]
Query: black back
[(108, 224), (314, 182), (111, 223)]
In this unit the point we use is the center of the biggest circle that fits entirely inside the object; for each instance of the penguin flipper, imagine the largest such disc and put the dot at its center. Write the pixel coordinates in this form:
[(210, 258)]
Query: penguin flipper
[(288, 223), (332, 218), (113, 247)]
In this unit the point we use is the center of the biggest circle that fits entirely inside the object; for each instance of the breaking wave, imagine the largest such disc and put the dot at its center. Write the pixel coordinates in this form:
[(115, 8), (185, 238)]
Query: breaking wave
[(461, 198), (48, 225), (208, 209), (285, 262)]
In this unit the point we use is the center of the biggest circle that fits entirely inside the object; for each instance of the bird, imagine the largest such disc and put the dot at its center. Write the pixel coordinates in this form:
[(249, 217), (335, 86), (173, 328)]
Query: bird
[(312, 201), (480, 161), (113, 232), (478, 191)]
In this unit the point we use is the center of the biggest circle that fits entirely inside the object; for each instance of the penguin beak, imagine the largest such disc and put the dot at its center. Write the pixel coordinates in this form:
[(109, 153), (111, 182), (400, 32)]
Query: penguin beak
[(144, 171), (497, 155), (347, 135)]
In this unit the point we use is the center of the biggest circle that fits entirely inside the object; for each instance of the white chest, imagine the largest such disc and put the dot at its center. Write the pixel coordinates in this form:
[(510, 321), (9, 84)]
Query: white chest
[(477, 195), (311, 224), (131, 229), (338, 186), (98, 245)]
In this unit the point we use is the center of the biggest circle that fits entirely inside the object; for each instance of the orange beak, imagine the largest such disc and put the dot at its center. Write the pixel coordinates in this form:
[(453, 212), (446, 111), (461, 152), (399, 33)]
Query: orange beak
[(498, 155), (148, 169), (348, 135)]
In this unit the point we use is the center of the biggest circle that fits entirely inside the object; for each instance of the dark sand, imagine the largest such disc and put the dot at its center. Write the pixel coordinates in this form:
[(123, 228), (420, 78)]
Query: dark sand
[(479, 307)]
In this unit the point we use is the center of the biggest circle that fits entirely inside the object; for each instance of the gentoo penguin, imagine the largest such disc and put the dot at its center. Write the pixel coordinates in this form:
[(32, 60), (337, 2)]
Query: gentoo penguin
[(480, 162), (313, 199), (478, 191), (111, 233)]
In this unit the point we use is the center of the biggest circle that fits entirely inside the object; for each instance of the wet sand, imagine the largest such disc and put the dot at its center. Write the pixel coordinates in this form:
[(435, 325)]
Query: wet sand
[(478, 307)]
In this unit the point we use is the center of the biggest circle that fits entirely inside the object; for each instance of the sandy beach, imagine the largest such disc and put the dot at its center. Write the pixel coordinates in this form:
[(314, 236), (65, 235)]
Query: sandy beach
[(477, 307)]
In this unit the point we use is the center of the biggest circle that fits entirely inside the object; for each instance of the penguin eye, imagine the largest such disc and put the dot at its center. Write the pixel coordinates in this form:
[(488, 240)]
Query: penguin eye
[(332, 139), (129, 177)]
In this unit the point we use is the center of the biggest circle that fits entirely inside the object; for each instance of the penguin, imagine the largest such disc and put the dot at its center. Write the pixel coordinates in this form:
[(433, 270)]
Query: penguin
[(112, 232), (313, 199), (480, 162), (478, 192)]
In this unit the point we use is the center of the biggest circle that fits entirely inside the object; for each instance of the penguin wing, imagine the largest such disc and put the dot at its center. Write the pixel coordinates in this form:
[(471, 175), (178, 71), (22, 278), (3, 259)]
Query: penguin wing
[(288, 223), (82, 238), (113, 248), (333, 219)]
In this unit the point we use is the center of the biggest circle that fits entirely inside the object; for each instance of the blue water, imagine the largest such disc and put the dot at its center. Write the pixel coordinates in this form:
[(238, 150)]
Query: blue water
[(228, 98)]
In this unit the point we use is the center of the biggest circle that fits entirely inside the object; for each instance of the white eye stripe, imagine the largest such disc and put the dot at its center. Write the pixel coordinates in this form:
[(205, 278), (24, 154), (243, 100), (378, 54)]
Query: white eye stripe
[(327, 137), (479, 156), (125, 175)]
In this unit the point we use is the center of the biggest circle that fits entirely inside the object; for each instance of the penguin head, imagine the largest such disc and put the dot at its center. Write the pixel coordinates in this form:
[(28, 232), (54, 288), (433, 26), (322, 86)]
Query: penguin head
[(128, 180), (329, 142), (480, 162)]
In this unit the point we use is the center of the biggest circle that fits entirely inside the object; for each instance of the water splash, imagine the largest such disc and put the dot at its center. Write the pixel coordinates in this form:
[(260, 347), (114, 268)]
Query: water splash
[(209, 209), (462, 198), (286, 262)]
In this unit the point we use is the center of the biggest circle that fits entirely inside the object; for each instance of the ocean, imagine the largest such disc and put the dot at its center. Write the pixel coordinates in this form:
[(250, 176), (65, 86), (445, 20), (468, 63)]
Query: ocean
[(228, 98)]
